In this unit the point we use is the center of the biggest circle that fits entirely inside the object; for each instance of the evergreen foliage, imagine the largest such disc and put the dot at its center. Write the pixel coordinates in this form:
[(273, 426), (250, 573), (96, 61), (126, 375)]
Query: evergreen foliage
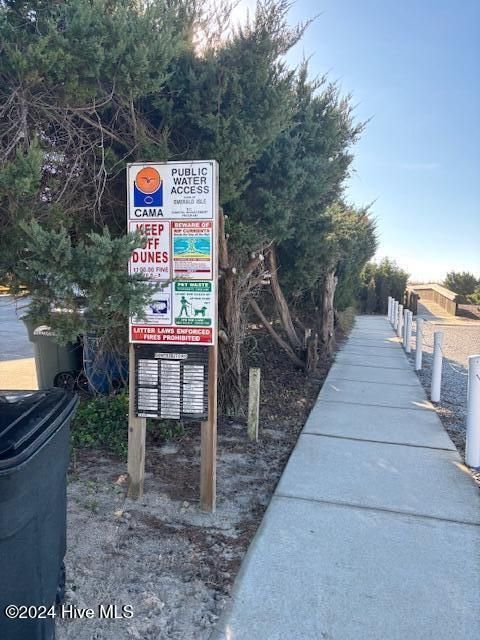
[(89, 85), (463, 283), (83, 286), (378, 281), (371, 301)]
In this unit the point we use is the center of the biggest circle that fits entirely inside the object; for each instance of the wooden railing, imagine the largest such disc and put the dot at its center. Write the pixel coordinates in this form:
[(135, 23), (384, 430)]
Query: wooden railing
[(445, 298)]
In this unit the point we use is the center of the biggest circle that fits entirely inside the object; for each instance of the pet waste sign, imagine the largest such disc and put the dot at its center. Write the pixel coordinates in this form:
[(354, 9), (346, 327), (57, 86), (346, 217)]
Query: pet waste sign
[(174, 205)]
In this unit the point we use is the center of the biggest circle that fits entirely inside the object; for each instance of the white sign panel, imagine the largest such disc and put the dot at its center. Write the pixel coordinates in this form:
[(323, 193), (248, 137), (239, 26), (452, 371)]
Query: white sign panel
[(159, 310), (152, 260), (172, 191)]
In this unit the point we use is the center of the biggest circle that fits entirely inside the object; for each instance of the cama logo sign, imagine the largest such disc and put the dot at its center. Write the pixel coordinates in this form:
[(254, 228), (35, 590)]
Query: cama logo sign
[(148, 188)]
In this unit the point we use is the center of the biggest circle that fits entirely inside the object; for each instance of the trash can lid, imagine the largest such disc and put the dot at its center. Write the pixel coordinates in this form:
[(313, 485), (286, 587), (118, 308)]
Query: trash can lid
[(43, 330), (28, 419)]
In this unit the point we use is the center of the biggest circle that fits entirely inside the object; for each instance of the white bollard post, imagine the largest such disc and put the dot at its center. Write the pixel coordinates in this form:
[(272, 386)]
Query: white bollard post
[(400, 320), (389, 308), (436, 367), (395, 314), (408, 332), (404, 331), (472, 446), (419, 345)]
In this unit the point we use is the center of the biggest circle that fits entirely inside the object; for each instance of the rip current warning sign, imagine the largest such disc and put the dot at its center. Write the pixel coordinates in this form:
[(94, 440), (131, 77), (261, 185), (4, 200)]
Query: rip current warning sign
[(192, 249), (174, 206)]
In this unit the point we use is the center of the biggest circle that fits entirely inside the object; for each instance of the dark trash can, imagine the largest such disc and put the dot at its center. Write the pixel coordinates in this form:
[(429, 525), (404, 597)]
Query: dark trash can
[(52, 359), (34, 454)]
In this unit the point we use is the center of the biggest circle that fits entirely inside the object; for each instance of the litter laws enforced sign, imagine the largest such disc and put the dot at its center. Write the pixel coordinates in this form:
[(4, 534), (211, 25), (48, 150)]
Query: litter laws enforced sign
[(174, 206)]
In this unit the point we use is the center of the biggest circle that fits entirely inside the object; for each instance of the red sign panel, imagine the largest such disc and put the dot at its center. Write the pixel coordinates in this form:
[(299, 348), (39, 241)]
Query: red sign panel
[(187, 335)]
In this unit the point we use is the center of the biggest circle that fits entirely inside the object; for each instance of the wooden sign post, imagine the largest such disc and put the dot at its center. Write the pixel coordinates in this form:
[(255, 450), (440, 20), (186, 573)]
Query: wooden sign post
[(208, 449), (136, 437), (173, 343), (253, 403)]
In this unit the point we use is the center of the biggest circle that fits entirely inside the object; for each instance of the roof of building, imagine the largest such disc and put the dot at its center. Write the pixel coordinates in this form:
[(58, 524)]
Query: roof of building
[(446, 293)]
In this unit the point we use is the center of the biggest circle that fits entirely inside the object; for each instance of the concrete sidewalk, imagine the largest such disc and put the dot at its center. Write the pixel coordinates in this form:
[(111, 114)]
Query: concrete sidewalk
[(373, 532)]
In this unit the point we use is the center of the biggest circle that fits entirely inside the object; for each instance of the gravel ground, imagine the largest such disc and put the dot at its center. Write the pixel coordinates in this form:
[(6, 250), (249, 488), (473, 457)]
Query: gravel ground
[(459, 342)]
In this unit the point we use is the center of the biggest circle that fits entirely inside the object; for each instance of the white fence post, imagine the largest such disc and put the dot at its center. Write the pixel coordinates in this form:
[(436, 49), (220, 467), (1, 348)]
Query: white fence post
[(400, 320), (436, 367), (404, 332), (395, 315), (408, 332), (389, 308), (472, 447), (419, 345)]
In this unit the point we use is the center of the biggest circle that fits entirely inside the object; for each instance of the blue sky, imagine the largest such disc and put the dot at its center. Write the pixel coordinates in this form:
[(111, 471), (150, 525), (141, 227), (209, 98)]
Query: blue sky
[(412, 67)]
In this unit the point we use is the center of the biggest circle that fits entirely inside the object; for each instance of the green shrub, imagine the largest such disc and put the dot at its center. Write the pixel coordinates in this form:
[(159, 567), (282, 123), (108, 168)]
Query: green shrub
[(346, 319), (378, 281), (475, 297), (102, 423), (464, 283)]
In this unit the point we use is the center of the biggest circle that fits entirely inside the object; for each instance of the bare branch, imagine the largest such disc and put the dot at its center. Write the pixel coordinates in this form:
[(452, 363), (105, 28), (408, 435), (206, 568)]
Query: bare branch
[(281, 343)]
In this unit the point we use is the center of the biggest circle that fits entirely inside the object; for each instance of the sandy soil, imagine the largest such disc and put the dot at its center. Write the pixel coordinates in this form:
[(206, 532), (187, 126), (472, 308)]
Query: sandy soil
[(172, 563)]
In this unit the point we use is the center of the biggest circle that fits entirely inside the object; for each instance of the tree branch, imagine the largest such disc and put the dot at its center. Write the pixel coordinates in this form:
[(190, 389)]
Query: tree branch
[(222, 242), (280, 301), (281, 343)]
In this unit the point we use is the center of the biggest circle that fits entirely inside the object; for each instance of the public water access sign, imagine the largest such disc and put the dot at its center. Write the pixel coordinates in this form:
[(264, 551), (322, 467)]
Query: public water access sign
[(175, 205)]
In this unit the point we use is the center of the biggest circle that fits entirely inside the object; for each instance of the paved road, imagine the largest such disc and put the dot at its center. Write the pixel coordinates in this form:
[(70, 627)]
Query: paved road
[(373, 532), (14, 343)]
